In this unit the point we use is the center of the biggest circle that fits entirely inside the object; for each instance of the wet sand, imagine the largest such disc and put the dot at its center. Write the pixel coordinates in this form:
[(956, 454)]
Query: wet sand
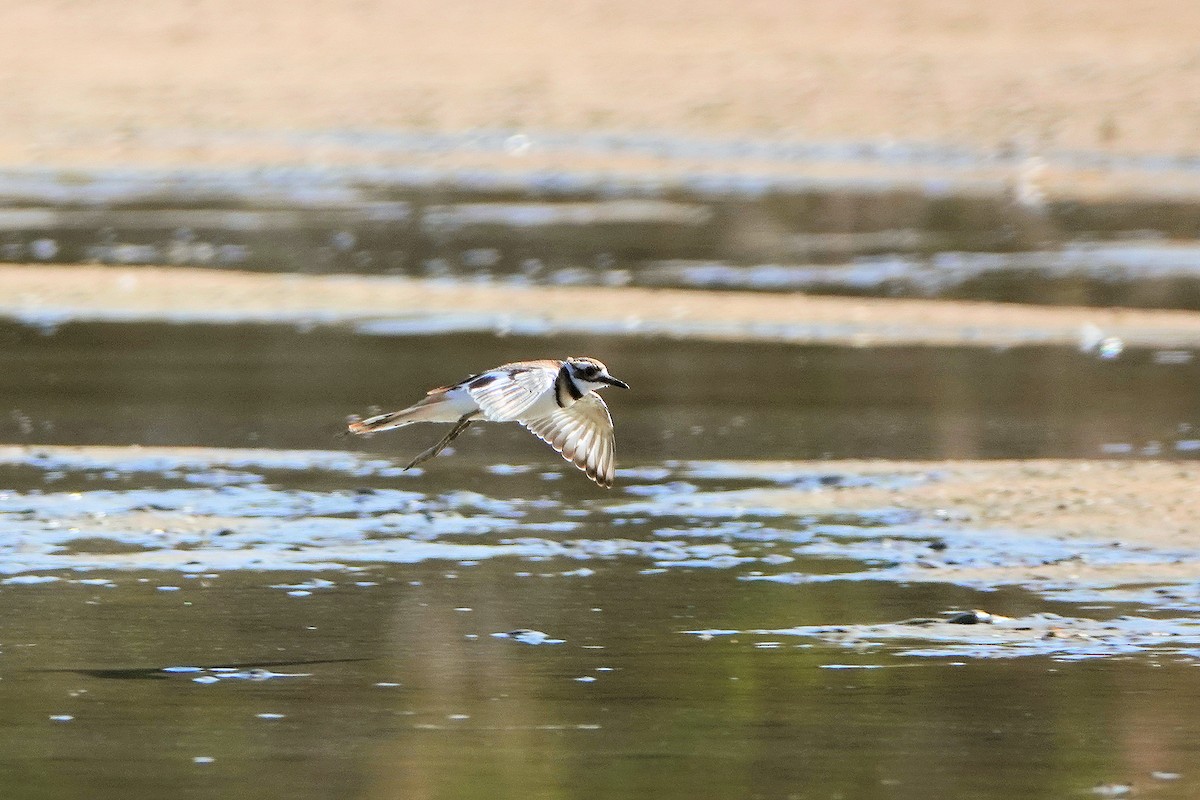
[(1055, 523), (1128, 504), (1146, 502), (50, 294)]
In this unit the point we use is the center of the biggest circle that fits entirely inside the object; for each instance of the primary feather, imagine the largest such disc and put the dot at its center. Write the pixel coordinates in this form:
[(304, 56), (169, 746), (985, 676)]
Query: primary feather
[(583, 433)]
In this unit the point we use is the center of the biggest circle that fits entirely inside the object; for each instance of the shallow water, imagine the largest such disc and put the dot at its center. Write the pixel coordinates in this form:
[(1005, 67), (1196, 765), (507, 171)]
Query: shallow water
[(891, 220), (248, 605), (279, 387)]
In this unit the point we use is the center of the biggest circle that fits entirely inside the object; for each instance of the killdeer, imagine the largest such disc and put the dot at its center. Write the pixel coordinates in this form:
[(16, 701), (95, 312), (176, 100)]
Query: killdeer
[(555, 400)]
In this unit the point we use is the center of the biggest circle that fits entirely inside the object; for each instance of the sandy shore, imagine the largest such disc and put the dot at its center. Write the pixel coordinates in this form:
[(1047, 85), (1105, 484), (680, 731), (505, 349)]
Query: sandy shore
[(1142, 502), (45, 294), (1066, 522), (1131, 504), (195, 82)]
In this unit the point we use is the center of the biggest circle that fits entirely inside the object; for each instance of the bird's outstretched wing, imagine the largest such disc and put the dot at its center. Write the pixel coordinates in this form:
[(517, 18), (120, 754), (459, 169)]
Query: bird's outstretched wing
[(583, 433), (507, 392)]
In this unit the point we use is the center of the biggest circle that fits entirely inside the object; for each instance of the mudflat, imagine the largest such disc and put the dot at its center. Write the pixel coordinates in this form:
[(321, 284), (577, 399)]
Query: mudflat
[(58, 293), (1003, 522), (195, 82), (216, 83)]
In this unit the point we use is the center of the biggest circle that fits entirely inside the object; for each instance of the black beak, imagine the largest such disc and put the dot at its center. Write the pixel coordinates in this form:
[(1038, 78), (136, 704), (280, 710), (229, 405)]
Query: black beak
[(615, 381)]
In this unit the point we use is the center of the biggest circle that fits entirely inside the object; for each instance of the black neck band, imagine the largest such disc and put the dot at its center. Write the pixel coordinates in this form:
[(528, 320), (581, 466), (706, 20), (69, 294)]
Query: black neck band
[(564, 387)]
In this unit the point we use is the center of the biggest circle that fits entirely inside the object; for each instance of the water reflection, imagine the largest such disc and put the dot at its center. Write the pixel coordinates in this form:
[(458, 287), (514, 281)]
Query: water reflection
[(955, 232), (439, 708), (282, 388), (321, 624)]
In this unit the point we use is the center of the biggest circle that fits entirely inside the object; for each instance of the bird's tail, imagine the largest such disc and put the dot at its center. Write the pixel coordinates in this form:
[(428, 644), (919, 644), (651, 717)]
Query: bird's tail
[(382, 422), (425, 411)]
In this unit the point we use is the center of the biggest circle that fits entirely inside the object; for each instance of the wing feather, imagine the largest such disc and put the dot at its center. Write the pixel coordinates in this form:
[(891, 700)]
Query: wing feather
[(507, 392), (583, 433)]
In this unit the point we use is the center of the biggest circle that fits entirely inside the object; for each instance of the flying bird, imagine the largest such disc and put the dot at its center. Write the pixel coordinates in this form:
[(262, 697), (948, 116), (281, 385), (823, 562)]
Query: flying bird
[(555, 400)]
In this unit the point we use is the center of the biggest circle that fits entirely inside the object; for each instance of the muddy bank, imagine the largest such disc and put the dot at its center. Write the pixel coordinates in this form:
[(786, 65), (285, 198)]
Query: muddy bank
[(1103, 529), (1129, 508), (51, 295), (1137, 501)]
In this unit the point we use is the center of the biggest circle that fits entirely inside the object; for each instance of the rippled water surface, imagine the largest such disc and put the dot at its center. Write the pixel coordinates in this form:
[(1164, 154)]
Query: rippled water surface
[(248, 605)]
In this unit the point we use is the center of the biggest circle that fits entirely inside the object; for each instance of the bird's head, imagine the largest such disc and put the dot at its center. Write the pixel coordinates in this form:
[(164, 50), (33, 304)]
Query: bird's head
[(590, 375)]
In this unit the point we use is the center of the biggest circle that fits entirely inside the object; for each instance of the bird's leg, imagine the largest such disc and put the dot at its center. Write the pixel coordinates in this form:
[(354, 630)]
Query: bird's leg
[(458, 428)]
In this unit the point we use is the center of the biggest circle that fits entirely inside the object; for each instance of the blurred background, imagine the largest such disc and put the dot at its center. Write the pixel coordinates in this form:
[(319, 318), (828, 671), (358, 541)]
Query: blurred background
[(843, 252), (1030, 151)]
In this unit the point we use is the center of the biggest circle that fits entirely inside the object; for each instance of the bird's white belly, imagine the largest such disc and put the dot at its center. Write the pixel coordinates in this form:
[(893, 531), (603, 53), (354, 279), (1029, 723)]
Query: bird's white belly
[(455, 404)]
